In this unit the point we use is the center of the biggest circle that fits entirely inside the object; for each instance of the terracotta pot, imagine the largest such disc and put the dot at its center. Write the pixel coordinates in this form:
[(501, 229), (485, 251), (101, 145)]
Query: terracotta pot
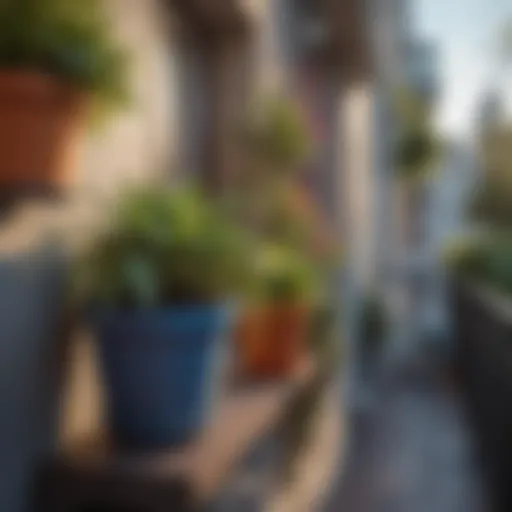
[(272, 340), (41, 121)]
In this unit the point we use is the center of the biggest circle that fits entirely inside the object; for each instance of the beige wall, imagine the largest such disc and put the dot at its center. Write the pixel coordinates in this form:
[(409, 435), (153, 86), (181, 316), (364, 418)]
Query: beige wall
[(138, 143), (268, 65), (357, 179)]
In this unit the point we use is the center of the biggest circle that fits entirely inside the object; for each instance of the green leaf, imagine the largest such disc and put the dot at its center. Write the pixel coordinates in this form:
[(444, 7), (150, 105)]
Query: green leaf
[(68, 38), (164, 247)]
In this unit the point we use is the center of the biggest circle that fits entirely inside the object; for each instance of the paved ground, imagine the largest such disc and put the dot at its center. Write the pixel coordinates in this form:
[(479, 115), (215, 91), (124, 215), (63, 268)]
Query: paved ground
[(410, 449)]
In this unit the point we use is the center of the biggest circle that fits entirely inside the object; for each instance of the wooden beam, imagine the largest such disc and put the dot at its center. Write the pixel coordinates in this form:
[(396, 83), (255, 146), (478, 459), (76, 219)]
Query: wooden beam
[(212, 17), (351, 35)]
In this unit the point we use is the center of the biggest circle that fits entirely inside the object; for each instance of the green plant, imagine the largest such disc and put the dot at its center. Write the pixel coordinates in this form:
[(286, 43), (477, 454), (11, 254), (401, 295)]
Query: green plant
[(414, 152), (295, 220), (67, 38), (491, 203), (276, 135), (165, 247), (467, 258), (416, 147), (284, 275), (486, 259)]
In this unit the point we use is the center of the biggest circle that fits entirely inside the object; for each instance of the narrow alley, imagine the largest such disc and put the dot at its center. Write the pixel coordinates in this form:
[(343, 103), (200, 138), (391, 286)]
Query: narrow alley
[(256, 256), (410, 447)]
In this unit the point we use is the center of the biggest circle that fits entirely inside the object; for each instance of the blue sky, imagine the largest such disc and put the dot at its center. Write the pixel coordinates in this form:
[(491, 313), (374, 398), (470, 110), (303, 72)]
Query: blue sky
[(464, 31)]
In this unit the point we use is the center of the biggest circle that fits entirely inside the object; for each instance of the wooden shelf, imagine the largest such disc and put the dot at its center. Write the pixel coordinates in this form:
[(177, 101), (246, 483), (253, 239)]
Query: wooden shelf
[(92, 474)]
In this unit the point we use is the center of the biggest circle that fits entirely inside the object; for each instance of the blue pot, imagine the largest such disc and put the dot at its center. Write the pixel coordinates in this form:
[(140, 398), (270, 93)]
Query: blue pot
[(161, 369)]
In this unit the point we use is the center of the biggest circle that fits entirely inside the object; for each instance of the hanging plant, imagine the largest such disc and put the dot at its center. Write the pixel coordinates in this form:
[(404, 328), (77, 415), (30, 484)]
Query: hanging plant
[(276, 136), (416, 147), (414, 153)]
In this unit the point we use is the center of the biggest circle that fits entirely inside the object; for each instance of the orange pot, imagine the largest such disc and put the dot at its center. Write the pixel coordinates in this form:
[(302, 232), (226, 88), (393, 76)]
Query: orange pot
[(272, 340), (41, 122)]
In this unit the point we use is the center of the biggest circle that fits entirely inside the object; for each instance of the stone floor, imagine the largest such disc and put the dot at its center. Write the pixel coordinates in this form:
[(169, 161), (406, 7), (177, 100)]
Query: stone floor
[(410, 448)]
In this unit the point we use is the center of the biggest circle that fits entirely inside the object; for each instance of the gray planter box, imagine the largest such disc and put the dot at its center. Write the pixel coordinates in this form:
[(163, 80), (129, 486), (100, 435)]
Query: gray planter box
[(32, 294)]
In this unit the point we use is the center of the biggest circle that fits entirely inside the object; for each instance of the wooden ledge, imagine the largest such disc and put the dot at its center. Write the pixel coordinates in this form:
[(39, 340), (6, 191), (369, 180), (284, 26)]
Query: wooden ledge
[(194, 473)]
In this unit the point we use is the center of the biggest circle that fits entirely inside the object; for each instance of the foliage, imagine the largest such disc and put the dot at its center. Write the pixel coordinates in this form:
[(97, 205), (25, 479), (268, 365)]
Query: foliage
[(276, 135), (276, 208), (166, 247), (283, 274), (296, 221), (467, 257), (486, 259), (416, 147), (288, 265), (491, 203), (68, 38), (495, 144), (414, 153)]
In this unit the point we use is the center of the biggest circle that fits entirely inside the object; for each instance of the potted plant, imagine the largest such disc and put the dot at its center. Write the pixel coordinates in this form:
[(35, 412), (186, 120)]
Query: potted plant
[(274, 330), (276, 137), (274, 326), (275, 141), (57, 61), (157, 284)]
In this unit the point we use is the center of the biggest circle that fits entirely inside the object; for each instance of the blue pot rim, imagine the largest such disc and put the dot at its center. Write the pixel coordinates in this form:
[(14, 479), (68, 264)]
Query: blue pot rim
[(97, 313)]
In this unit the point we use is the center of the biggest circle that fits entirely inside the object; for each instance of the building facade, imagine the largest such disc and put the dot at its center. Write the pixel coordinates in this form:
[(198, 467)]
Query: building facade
[(196, 67)]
